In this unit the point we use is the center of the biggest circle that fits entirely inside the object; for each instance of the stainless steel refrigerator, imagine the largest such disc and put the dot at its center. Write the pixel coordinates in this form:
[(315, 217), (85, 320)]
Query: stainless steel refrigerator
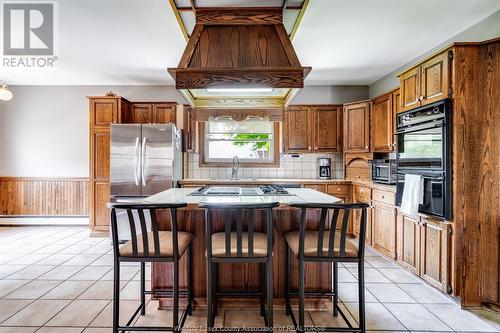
[(145, 160)]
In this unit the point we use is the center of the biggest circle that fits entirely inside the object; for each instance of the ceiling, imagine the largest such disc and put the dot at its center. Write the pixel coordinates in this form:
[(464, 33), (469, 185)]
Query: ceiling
[(128, 42)]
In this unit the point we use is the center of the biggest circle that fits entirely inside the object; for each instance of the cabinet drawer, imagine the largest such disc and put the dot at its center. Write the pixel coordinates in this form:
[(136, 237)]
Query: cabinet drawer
[(338, 189), (362, 193), (384, 196)]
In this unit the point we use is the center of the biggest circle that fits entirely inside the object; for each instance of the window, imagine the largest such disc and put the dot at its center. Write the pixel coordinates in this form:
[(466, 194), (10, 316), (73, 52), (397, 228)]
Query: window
[(254, 140)]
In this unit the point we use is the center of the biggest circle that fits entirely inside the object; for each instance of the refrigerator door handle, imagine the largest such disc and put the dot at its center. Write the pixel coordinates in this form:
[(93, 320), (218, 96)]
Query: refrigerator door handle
[(136, 159), (143, 161)]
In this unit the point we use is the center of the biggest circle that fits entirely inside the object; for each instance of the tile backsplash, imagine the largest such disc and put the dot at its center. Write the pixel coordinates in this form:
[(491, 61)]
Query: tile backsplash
[(302, 166)]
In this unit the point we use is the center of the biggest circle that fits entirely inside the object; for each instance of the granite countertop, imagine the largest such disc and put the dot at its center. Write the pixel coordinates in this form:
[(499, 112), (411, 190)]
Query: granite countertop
[(298, 195), (367, 183)]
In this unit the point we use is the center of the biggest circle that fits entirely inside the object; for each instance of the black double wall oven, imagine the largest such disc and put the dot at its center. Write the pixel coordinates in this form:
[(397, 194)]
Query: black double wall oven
[(424, 148)]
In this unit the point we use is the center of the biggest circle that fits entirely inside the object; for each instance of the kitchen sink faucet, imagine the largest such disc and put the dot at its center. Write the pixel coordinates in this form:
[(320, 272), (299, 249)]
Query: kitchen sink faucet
[(236, 166)]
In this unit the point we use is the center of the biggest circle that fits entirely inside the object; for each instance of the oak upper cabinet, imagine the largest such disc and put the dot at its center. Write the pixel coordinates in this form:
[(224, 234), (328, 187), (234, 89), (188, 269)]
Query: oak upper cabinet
[(154, 113), (382, 119), (327, 121), (164, 113), (142, 113), (313, 128), (105, 110), (384, 222), (435, 79), (426, 83), (357, 127), (297, 129)]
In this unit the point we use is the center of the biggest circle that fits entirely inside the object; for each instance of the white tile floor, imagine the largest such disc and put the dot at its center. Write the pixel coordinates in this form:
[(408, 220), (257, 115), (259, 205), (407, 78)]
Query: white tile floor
[(59, 280)]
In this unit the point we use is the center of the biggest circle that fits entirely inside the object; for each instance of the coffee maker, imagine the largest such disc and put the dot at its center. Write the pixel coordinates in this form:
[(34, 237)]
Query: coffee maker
[(324, 168)]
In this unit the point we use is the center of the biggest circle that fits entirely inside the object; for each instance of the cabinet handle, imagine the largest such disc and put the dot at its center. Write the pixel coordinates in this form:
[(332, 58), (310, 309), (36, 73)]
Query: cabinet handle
[(338, 189), (366, 147)]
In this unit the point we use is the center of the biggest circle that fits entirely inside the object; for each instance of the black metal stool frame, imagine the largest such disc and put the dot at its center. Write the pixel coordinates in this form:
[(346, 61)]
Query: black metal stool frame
[(177, 322), (329, 257), (265, 262)]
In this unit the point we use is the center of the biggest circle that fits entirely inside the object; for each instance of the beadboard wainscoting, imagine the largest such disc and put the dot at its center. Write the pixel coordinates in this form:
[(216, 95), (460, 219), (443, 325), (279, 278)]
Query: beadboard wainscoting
[(302, 166), (33, 196)]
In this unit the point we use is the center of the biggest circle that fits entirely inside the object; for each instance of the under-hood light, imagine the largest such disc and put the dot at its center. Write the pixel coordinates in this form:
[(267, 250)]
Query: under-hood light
[(239, 90)]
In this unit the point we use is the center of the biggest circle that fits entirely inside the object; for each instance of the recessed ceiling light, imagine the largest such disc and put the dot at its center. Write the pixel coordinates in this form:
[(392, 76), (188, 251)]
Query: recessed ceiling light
[(239, 90)]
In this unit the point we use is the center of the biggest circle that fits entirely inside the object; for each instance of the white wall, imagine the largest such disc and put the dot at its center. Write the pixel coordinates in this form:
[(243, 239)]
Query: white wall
[(44, 129), (488, 28)]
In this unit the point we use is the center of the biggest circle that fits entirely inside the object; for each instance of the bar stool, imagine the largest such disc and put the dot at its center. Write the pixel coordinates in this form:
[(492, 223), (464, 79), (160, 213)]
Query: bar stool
[(151, 246), (239, 247), (324, 245)]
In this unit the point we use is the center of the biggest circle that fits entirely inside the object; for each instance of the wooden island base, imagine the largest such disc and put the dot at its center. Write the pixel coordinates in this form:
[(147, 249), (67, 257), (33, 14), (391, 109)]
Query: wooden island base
[(235, 277)]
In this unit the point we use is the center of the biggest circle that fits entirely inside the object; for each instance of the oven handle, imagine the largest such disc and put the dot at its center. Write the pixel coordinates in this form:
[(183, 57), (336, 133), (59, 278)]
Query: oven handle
[(426, 177), (415, 128)]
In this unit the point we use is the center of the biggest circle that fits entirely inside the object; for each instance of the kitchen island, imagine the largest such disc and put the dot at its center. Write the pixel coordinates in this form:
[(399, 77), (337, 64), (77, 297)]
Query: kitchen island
[(240, 276)]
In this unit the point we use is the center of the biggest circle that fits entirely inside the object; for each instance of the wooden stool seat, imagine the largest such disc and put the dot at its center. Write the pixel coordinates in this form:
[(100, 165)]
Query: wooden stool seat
[(259, 244), (165, 241), (311, 244)]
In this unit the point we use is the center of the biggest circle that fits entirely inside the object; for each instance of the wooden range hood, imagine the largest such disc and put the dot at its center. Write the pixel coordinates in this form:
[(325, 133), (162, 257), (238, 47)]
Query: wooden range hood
[(239, 58)]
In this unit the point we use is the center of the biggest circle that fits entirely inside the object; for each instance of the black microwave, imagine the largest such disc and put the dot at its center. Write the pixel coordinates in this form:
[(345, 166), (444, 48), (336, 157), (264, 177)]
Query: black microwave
[(384, 171)]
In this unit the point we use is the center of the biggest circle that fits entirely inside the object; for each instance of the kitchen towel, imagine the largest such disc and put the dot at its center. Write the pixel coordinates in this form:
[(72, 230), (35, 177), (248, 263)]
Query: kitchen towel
[(413, 194)]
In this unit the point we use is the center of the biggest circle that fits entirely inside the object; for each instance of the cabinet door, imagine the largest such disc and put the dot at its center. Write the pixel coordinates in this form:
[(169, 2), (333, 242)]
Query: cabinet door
[(384, 229), (356, 223), (317, 187), (408, 241), (103, 111), (189, 128), (100, 149), (382, 124), (434, 252), (101, 211), (435, 79), (297, 129), (357, 127), (410, 89), (142, 113), (327, 128), (164, 113), (396, 108)]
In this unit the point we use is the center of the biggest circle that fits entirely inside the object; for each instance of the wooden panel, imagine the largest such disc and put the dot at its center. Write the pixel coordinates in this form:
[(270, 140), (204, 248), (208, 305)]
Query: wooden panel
[(386, 197), (489, 196), (164, 113), (101, 198), (238, 114), (101, 152), (382, 124), (297, 129), (103, 111), (142, 113), (357, 127), (435, 79), (408, 243), (357, 167), (189, 129), (239, 16), (434, 253), (396, 99), (384, 229), (21, 196), (327, 128), (410, 89)]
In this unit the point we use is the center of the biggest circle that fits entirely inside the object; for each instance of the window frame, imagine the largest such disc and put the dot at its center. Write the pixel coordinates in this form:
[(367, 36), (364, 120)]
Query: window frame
[(274, 162)]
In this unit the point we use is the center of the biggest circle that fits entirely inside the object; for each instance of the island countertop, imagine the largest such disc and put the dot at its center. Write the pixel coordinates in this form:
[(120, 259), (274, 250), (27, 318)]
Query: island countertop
[(240, 276), (296, 195)]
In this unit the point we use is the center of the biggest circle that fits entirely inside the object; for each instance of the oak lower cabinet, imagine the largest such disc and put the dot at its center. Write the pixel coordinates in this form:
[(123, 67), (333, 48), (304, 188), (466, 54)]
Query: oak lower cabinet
[(384, 229), (313, 128), (357, 127), (424, 248)]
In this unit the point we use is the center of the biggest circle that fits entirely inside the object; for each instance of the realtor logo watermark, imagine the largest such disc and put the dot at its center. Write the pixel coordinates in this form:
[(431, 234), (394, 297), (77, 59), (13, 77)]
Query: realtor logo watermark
[(30, 33)]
